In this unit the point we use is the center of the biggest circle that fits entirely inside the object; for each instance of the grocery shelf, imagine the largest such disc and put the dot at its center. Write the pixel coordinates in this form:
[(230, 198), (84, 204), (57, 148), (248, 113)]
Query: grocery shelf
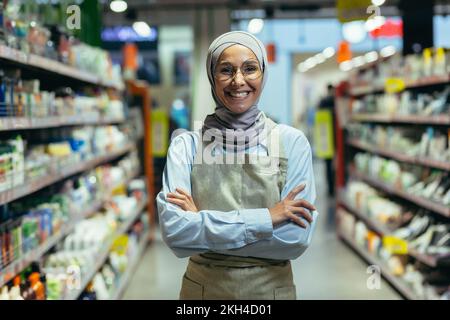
[(103, 254), (52, 66), (443, 120), (429, 260), (409, 84), (400, 157), (428, 81), (397, 283), (366, 89), (126, 277), (16, 267), (25, 123), (420, 201), (373, 225), (42, 182)]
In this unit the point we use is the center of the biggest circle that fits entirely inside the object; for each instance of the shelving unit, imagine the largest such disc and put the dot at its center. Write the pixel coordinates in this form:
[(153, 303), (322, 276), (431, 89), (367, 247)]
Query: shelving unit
[(104, 251), (409, 84), (346, 148), (51, 72), (142, 89), (125, 278), (406, 119), (419, 201), (28, 123), (36, 184), (397, 283), (8, 274)]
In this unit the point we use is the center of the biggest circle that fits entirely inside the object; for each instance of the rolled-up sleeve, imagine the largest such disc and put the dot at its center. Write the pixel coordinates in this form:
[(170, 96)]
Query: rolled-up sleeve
[(289, 240), (188, 233)]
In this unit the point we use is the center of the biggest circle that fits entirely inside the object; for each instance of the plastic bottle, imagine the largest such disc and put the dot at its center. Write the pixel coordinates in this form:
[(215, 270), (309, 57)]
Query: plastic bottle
[(14, 293), (37, 286), (4, 293), (26, 291)]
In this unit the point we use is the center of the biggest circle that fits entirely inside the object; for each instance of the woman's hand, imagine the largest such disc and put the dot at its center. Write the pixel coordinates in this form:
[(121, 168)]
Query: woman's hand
[(290, 209), (182, 199)]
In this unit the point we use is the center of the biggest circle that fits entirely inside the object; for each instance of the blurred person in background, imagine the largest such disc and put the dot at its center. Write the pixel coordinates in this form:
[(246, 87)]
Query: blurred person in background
[(326, 107), (240, 223)]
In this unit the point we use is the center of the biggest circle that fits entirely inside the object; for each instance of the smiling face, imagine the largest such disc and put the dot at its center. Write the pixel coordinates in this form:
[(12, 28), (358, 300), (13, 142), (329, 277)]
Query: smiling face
[(239, 92)]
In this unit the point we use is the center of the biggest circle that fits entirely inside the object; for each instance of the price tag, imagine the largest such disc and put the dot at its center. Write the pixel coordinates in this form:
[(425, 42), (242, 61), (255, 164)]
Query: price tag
[(395, 245), (394, 85)]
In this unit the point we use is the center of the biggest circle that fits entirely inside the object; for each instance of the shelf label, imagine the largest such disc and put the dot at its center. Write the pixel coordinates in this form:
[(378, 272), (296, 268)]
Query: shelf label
[(395, 245), (394, 85)]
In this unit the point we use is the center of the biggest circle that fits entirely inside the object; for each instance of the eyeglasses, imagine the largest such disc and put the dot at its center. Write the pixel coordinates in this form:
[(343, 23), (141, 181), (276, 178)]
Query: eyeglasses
[(250, 71)]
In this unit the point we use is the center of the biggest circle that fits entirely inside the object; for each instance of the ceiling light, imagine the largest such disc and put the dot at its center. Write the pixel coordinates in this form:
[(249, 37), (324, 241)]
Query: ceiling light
[(371, 56), (358, 61), (378, 2), (329, 52), (302, 68), (255, 26), (354, 32), (320, 58), (387, 51), (310, 63), (118, 5), (142, 29), (346, 66)]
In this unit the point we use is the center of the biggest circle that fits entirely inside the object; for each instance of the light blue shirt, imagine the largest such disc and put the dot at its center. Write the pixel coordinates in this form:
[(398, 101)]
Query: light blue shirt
[(244, 232)]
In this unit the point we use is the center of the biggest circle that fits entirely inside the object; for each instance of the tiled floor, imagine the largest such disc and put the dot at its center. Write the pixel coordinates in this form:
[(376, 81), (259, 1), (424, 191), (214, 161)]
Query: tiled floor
[(327, 270)]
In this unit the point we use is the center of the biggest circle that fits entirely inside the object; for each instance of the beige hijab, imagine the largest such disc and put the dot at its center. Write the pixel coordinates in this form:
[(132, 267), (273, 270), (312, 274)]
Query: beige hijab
[(240, 130)]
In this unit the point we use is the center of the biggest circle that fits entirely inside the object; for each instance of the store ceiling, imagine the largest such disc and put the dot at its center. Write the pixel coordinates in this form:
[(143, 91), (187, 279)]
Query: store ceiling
[(279, 9)]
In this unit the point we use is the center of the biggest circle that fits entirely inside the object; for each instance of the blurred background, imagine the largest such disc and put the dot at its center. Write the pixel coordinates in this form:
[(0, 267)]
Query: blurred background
[(91, 92)]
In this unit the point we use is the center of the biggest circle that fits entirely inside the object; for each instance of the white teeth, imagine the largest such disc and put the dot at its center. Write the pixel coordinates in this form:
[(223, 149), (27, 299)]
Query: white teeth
[(238, 94)]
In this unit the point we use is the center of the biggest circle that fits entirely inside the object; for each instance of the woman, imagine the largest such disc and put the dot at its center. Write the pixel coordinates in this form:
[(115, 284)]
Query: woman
[(240, 222)]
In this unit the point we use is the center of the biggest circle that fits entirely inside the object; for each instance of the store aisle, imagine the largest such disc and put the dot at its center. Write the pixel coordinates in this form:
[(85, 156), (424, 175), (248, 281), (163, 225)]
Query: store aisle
[(328, 270)]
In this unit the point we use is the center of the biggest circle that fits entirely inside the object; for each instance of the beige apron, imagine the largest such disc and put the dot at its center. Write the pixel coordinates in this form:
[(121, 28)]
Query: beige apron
[(227, 187)]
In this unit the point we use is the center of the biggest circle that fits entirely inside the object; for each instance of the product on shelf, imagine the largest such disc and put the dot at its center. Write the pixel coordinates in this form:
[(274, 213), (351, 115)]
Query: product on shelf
[(422, 182), (12, 163), (428, 143), (21, 162), (24, 98), (413, 67), (26, 225), (30, 284), (425, 282), (30, 222), (405, 103)]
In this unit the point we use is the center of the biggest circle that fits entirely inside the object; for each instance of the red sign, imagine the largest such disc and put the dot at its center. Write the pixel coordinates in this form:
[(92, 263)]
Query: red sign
[(390, 29), (271, 52)]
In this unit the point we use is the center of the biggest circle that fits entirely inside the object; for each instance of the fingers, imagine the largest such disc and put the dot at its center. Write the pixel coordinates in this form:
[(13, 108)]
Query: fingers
[(183, 192), (297, 220), (295, 191), (178, 202), (176, 196), (304, 204), (302, 212)]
